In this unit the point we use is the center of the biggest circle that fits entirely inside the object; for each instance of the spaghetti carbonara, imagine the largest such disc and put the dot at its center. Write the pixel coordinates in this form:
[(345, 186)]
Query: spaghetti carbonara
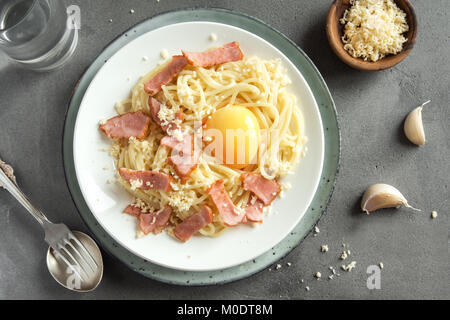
[(256, 85)]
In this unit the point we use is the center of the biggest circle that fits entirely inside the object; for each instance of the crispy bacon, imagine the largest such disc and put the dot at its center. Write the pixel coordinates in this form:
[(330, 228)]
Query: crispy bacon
[(155, 107), (230, 215), (254, 212), (185, 230), (155, 221), (228, 53), (266, 190), (166, 75), (133, 124), (150, 179), (185, 157)]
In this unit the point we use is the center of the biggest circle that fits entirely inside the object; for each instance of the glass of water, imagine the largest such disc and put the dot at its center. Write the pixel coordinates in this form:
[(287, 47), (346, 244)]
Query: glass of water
[(37, 34)]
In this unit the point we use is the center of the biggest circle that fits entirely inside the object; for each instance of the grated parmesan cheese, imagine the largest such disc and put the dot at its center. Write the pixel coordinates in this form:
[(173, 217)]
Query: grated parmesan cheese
[(374, 29), (345, 255), (136, 184), (164, 54), (167, 116), (349, 267), (181, 201), (144, 207), (213, 37)]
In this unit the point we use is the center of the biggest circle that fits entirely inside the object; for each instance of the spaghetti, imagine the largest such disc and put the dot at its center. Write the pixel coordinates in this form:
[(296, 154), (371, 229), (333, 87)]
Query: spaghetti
[(256, 84)]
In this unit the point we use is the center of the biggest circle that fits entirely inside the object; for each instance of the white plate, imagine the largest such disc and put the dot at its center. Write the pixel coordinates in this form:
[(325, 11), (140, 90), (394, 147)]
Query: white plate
[(107, 201)]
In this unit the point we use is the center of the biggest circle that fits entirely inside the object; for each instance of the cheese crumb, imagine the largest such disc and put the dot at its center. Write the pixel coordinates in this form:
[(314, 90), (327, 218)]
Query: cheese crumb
[(164, 54), (140, 234), (349, 267), (286, 186), (316, 231), (278, 267), (144, 207), (307, 288), (145, 58), (132, 11), (318, 275), (182, 201), (333, 270), (344, 255), (434, 214), (324, 248), (136, 184), (374, 29), (381, 265), (213, 37)]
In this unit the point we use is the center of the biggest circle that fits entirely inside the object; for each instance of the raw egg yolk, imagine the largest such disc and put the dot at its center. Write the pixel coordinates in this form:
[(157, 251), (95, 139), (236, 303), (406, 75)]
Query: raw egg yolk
[(235, 131)]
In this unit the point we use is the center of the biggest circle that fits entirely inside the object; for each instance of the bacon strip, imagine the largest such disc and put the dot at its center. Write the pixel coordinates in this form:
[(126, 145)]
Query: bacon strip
[(185, 158), (227, 211), (254, 212), (155, 221), (132, 211), (228, 53), (133, 124), (166, 75), (185, 230), (266, 190), (150, 179), (175, 144), (155, 107)]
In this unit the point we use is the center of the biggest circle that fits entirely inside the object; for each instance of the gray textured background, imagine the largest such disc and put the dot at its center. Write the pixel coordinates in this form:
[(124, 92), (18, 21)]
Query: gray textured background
[(371, 106)]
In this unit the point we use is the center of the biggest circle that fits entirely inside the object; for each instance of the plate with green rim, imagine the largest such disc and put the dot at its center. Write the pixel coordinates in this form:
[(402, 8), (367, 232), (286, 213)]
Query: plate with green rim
[(320, 199)]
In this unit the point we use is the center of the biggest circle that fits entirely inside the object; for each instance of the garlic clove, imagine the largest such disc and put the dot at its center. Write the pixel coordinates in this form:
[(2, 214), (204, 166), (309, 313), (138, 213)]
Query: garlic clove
[(414, 126), (381, 196)]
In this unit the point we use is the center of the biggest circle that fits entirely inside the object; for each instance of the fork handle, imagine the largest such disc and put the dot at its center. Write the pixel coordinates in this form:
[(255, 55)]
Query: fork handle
[(6, 183)]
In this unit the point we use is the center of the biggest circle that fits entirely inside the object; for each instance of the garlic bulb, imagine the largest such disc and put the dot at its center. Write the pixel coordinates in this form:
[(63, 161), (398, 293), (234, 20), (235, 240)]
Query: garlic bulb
[(414, 126), (380, 196)]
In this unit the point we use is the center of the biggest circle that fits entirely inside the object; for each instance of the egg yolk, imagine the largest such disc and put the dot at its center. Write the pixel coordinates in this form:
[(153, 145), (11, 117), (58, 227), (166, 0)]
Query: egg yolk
[(233, 133)]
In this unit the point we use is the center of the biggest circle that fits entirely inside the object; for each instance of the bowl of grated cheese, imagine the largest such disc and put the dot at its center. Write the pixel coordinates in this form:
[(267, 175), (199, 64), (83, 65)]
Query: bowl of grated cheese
[(372, 35)]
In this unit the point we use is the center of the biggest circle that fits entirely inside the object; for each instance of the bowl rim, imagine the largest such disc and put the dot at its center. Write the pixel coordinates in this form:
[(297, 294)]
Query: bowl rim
[(358, 63)]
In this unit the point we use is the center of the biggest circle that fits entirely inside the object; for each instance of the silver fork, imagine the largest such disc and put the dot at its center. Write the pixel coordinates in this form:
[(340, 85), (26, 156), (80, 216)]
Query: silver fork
[(63, 242)]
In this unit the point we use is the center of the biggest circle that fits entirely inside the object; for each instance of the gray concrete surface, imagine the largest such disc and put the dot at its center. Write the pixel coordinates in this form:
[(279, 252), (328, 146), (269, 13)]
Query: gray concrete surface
[(371, 106)]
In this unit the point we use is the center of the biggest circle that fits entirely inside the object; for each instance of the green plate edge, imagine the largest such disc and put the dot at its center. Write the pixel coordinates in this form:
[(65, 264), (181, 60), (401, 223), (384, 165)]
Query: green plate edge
[(321, 198)]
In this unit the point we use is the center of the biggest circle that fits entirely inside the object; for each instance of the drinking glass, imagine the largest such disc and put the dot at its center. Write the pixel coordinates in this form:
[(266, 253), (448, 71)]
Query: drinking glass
[(37, 34)]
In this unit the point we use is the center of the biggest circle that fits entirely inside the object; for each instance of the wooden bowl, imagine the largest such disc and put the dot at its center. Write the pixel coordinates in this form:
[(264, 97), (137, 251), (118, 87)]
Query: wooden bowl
[(335, 31)]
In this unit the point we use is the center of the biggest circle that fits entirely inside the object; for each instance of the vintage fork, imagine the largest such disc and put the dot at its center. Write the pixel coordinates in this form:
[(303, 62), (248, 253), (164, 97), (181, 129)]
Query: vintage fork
[(63, 242)]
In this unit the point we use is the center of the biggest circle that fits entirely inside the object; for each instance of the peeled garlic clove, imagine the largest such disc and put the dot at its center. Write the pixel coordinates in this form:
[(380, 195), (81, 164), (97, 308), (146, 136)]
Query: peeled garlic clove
[(381, 196), (414, 126)]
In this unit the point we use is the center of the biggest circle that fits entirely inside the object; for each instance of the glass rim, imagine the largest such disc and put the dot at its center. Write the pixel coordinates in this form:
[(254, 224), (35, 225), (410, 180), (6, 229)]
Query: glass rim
[(22, 19)]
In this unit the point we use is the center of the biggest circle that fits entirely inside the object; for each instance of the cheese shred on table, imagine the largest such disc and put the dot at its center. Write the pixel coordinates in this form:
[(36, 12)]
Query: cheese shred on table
[(374, 29)]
